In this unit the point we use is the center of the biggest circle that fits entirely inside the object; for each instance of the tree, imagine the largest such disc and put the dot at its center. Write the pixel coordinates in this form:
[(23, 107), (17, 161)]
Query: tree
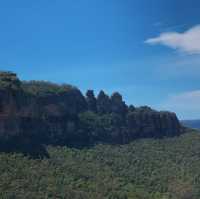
[(182, 190), (98, 127)]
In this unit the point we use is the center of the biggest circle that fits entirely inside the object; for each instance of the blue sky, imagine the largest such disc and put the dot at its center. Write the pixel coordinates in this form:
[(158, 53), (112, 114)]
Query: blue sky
[(149, 51)]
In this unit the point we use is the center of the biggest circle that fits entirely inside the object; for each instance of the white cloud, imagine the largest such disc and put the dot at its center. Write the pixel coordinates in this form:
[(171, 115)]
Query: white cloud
[(186, 104), (188, 41)]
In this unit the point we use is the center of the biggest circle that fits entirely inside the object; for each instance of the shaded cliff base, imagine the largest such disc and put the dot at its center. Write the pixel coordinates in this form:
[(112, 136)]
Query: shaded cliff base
[(26, 147), (33, 149)]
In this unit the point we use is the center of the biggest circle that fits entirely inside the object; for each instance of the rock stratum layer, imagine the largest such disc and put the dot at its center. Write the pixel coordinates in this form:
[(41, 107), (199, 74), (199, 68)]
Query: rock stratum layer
[(38, 112)]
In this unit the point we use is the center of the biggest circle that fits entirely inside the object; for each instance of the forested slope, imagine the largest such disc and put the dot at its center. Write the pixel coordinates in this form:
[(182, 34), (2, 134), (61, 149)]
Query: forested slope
[(166, 168)]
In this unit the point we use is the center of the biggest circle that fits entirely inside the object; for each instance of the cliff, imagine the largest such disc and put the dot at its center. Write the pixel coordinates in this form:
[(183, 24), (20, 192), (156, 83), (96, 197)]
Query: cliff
[(39, 112)]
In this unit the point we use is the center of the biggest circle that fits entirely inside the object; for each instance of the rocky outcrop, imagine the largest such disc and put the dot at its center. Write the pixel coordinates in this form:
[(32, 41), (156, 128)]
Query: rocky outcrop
[(46, 113), (149, 123)]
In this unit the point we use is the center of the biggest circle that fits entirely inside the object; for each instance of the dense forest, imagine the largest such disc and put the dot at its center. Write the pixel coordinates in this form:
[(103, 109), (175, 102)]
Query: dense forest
[(37, 113), (167, 168)]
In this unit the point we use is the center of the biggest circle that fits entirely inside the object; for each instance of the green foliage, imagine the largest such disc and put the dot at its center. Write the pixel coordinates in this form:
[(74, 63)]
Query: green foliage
[(144, 169), (9, 80), (98, 127), (45, 87)]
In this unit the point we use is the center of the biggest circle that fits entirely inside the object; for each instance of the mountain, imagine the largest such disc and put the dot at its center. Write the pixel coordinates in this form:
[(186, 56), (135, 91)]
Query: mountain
[(37, 113), (191, 123), (56, 142)]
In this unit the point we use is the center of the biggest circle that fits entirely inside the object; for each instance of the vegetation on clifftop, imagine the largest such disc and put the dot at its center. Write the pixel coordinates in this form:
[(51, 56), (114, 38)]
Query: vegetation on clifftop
[(9, 80), (45, 87)]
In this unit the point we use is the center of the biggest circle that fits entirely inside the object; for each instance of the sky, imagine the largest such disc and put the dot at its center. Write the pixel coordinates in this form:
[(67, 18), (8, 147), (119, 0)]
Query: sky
[(148, 50)]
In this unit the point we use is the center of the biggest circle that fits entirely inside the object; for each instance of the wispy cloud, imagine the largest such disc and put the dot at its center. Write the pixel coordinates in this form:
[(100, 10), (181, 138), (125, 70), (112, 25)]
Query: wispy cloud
[(185, 104), (188, 41)]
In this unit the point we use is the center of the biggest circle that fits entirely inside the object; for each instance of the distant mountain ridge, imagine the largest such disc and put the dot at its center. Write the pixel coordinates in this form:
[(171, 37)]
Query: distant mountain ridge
[(191, 123)]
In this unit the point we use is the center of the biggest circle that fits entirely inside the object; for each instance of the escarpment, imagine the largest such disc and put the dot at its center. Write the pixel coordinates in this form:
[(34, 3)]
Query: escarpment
[(39, 112)]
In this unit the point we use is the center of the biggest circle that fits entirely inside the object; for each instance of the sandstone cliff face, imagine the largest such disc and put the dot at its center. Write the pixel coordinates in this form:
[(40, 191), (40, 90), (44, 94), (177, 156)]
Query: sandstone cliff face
[(153, 124), (41, 116), (50, 114)]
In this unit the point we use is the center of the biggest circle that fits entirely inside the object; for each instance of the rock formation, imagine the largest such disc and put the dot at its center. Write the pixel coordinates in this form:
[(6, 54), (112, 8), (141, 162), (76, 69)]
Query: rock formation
[(39, 112)]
